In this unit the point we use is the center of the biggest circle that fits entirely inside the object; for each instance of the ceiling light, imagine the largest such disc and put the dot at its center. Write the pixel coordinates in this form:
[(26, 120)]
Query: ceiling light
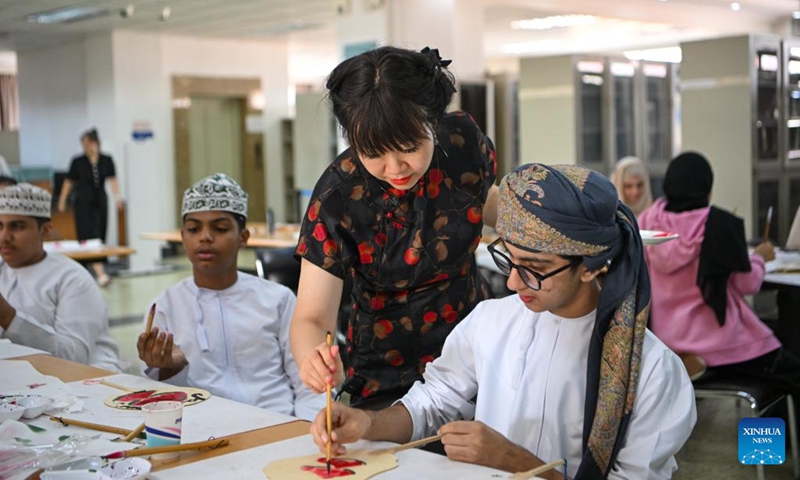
[(736, 6), (556, 21), (590, 66), (67, 15), (622, 69)]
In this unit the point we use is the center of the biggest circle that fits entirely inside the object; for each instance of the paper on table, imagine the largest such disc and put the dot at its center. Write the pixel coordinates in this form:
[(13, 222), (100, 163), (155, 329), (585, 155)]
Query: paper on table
[(784, 262), (18, 377), (247, 464), (12, 350), (216, 417)]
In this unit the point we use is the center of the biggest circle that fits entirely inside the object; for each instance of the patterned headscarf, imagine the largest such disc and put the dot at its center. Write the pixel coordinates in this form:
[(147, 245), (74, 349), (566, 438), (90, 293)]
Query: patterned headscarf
[(574, 211), (26, 200), (217, 192)]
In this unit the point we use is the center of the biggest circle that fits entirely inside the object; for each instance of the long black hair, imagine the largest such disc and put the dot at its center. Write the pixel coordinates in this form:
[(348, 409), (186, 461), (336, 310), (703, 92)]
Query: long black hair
[(389, 98)]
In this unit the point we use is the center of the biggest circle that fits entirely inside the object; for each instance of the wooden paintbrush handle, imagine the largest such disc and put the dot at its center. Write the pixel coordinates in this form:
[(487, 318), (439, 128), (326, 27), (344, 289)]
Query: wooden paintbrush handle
[(406, 446), (150, 317), (134, 433), (536, 471), (117, 386), (91, 426), (184, 447)]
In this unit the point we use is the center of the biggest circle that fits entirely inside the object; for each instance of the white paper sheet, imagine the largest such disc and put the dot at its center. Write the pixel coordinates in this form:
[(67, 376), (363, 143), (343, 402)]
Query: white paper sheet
[(247, 464), (18, 377), (216, 417), (12, 350)]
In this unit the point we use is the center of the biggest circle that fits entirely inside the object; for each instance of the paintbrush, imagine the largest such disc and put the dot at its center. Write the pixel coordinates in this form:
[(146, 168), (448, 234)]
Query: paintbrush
[(134, 433), (117, 386), (766, 227), (150, 317), (406, 446), (328, 340), (184, 447), (91, 426), (540, 469)]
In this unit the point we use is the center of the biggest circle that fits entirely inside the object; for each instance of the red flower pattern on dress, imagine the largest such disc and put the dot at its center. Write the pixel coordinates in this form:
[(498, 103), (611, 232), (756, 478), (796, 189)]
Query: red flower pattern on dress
[(382, 328), (449, 314), (394, 358), (302, 247), (378, 302), (475, 215), (313, 210), (320, 232), (436, 176), (412, 256), (330, 248), (365, 251)]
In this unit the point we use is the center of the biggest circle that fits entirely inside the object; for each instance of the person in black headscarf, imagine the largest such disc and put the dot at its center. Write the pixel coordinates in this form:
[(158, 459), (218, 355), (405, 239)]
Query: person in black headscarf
[(565, 369), (700, 279)]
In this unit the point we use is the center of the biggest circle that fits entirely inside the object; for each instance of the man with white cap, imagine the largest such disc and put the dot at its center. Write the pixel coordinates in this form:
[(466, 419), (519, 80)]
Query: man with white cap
[(221, 329), (565, 369), (47, 301)]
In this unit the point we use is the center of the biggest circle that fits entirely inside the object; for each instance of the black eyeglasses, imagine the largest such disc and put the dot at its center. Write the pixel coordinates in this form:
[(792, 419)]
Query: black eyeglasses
[(532, 279)]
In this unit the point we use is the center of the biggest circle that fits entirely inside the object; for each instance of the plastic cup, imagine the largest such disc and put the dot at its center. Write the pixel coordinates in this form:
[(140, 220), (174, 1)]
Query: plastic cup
[(162, 422)]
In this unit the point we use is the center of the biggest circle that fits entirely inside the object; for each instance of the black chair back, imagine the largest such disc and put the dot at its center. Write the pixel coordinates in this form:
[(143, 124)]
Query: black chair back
[(279, 266)]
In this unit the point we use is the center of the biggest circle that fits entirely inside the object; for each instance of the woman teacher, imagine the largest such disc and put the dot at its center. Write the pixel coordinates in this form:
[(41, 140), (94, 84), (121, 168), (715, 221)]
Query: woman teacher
[(401, 212), (88, 174)]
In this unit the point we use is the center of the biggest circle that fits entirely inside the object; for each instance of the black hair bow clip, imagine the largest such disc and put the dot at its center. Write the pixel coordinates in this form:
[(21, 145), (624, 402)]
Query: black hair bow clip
[(434, 59)]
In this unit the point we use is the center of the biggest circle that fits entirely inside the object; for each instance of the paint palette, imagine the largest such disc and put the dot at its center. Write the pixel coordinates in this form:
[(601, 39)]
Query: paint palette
[(34, 405), (654, 237), (125, 469)]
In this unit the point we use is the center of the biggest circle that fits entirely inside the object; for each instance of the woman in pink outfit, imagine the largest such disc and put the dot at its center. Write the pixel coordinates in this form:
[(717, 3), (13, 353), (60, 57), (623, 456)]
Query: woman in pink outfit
[(699, 280)]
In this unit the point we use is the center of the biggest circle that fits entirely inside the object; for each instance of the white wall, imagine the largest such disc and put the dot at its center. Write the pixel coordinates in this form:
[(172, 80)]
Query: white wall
[(142, 93), (53, 104), (312, 57), (8, 63)]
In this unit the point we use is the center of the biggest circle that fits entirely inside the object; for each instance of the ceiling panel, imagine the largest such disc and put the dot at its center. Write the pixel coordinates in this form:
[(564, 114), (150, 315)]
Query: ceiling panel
[(658, 21)]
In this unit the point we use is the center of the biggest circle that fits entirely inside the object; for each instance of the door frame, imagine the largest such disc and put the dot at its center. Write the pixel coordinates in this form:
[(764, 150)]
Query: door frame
[(183, 88)]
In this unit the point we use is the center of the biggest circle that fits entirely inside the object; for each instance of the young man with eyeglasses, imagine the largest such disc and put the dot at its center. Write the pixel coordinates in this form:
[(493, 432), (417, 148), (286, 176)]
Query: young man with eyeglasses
[(565, 368)]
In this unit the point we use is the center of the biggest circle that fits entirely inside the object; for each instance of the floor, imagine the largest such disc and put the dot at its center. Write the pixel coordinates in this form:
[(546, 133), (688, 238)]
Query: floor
[(710, 453)]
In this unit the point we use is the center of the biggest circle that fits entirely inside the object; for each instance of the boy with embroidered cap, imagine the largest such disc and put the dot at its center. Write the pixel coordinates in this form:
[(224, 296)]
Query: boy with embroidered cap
[(565, 368), (47, 301), (221, 329)]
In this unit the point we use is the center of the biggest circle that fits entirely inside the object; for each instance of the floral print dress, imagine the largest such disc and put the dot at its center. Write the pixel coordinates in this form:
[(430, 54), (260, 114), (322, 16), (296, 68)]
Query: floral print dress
[(410, 253)]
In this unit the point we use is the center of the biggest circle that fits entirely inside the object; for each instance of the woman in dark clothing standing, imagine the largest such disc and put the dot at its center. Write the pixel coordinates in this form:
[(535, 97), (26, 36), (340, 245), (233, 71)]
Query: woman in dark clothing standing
[(88, 174), (401, 213)]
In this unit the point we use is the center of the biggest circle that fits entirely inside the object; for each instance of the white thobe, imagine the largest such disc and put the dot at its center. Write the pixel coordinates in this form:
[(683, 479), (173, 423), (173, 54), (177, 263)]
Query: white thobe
[(236, 343), (529, 373), (60, 310)]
